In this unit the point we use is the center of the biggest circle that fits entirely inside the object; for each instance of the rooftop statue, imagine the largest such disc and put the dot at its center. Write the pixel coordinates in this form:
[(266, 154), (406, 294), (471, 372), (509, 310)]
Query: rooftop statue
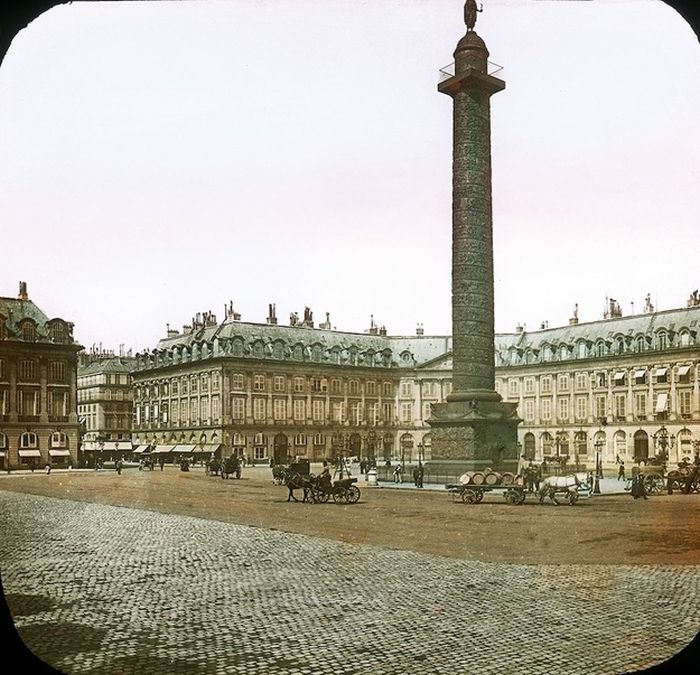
[(470, 11)]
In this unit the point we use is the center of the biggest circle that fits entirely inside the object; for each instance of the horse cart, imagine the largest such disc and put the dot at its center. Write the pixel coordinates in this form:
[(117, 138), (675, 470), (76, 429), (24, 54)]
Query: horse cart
[(474, 484)]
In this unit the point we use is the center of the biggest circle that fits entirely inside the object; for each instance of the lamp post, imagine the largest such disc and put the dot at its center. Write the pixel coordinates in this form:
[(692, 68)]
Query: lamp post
[(598, 467)]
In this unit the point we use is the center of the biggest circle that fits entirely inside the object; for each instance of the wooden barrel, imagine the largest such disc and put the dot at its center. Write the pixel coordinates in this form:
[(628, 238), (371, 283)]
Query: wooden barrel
[(466, 477), (507, 478), (478, 478), (492, 478)]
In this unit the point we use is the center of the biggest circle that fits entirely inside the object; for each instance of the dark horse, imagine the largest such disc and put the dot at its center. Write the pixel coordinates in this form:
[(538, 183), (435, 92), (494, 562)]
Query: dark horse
[(295, 481)]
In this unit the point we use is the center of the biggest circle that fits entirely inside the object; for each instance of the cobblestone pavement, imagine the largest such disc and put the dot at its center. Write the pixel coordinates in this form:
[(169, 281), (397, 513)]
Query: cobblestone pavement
[(103, 589)]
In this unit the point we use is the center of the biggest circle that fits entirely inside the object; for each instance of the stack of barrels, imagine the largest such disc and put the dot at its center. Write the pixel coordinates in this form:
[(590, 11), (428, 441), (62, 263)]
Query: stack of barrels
[(487, 478)]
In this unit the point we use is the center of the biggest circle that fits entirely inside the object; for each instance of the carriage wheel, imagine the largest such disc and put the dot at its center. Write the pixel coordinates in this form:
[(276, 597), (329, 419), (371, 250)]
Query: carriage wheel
[(653, 484), (510, 496), (353, 494), (573, 498), (339, 495), (478, 496), (521, 496), (469, 496), (322, 496)]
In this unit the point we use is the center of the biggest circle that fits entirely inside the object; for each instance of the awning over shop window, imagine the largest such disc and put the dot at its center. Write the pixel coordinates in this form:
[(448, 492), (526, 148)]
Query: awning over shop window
[(683, 370), (141, 448), (661, 403), (59, 453), (660, 372), (640, 374), (619, 376), (163, 449), (89, 445), (208, 447), (184, 448), (29, 453), (117, 445)]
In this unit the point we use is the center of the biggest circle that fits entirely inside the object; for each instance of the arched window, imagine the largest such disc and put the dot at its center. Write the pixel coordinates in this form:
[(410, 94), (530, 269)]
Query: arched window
[(684, 339), (59, 440), (641, 343), (600, 348), (620, 345), (661, 340), (547, 443), (300, 439), (620, 441), (28, 330), (546, 353), (238, 439), (28, 440), (529, 446), (582, 350), (581, 443), (563, 352), (319, 439), (57, 332)]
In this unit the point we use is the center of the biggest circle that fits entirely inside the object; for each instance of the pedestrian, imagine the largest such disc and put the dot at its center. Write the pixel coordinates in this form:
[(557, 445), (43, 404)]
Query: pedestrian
[(161, 461), (415, 476), (398, 477), (621, 471), (48, 468), (638, 490), (421, 473), (537, 477)]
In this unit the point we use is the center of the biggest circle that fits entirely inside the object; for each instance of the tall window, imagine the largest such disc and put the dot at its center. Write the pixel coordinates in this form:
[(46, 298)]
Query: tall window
[(563, 405), (259, 408), (279, 383), (2, 369), (279, 409), (57, 402), (600, 406), (335, 386), (205, 383), (581, 381), (318, 384), (640, 405), (27, 370), (371, 388), (300, 439), (298, 384), (28, 402), (373, 412), (546, 384), (299, 409), (661, 341), (529, 385), (563, 382), (4, 402), (406, 389), (353, 387), (338, 411), (513, 387), (581, 407), (386, 389), (546, 409), (238, 408), (620, 407), (406, 412), (388, 413), (215, 382), (258, 383), (3, 441), (215, 409), (684, 402), (237, 381), (59, 440), (317, 410), (356, 412), (529, 410), (57, 371), (175, 412)]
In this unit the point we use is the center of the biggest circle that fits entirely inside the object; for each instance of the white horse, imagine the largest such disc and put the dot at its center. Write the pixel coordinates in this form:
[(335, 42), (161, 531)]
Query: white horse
[(569, 486)]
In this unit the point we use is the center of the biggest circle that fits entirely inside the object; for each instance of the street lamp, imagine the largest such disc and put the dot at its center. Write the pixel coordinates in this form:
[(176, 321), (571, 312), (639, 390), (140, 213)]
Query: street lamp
[(663, 440), (598, 466)]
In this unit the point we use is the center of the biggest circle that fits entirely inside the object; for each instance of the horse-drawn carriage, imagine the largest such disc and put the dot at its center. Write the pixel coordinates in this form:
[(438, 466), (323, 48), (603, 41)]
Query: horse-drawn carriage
[(319, 489)]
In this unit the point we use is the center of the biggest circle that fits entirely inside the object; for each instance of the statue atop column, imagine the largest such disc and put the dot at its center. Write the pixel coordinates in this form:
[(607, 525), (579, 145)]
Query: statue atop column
[(470, 11)]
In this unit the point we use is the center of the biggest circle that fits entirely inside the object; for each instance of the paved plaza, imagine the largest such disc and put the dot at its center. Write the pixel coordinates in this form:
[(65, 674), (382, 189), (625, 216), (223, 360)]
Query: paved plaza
[(97, 588)]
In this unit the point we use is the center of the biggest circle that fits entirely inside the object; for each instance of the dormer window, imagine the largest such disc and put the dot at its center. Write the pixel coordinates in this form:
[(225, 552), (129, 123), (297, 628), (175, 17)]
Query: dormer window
[(662, 341), (28, 331)]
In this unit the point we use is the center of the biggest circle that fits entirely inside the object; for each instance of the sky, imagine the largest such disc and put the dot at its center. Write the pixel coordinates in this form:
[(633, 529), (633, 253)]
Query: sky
[(159, 159)]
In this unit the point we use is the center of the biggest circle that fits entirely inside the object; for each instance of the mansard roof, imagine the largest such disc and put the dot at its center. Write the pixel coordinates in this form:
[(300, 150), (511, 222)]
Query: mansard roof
[(14, 312), (672, 322), (115, 364)]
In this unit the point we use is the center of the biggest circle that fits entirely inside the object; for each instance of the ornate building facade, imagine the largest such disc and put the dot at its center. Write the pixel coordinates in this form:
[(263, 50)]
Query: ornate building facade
[(38, 366), (623, 387), (270, 392), (105, 403)]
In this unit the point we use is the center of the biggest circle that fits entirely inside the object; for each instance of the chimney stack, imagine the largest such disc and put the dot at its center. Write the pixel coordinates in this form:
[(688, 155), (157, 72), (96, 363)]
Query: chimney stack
[(573, 321), (419, 329), (271, 315), (23, 291)]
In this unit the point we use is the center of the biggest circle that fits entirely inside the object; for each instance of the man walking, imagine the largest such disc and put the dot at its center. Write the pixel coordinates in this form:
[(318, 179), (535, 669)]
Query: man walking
[(621, 471)]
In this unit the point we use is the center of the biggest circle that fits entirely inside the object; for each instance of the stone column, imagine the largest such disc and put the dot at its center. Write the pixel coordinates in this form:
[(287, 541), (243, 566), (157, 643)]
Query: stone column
[(473, 428)]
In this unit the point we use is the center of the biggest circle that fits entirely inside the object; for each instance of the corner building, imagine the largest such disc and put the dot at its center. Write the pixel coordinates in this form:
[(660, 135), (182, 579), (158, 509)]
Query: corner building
[(269, 392), (38, 367)]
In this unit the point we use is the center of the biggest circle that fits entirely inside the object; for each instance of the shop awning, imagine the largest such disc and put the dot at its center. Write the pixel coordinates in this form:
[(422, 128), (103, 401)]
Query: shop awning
[(184, 448), (683, 370), (208, 447), (141, 448), (59, 453), (29, 453), (660, 371), (661, 403), (89, 445), (619, 376), (640, 374), (163, 449), (117, 445)]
